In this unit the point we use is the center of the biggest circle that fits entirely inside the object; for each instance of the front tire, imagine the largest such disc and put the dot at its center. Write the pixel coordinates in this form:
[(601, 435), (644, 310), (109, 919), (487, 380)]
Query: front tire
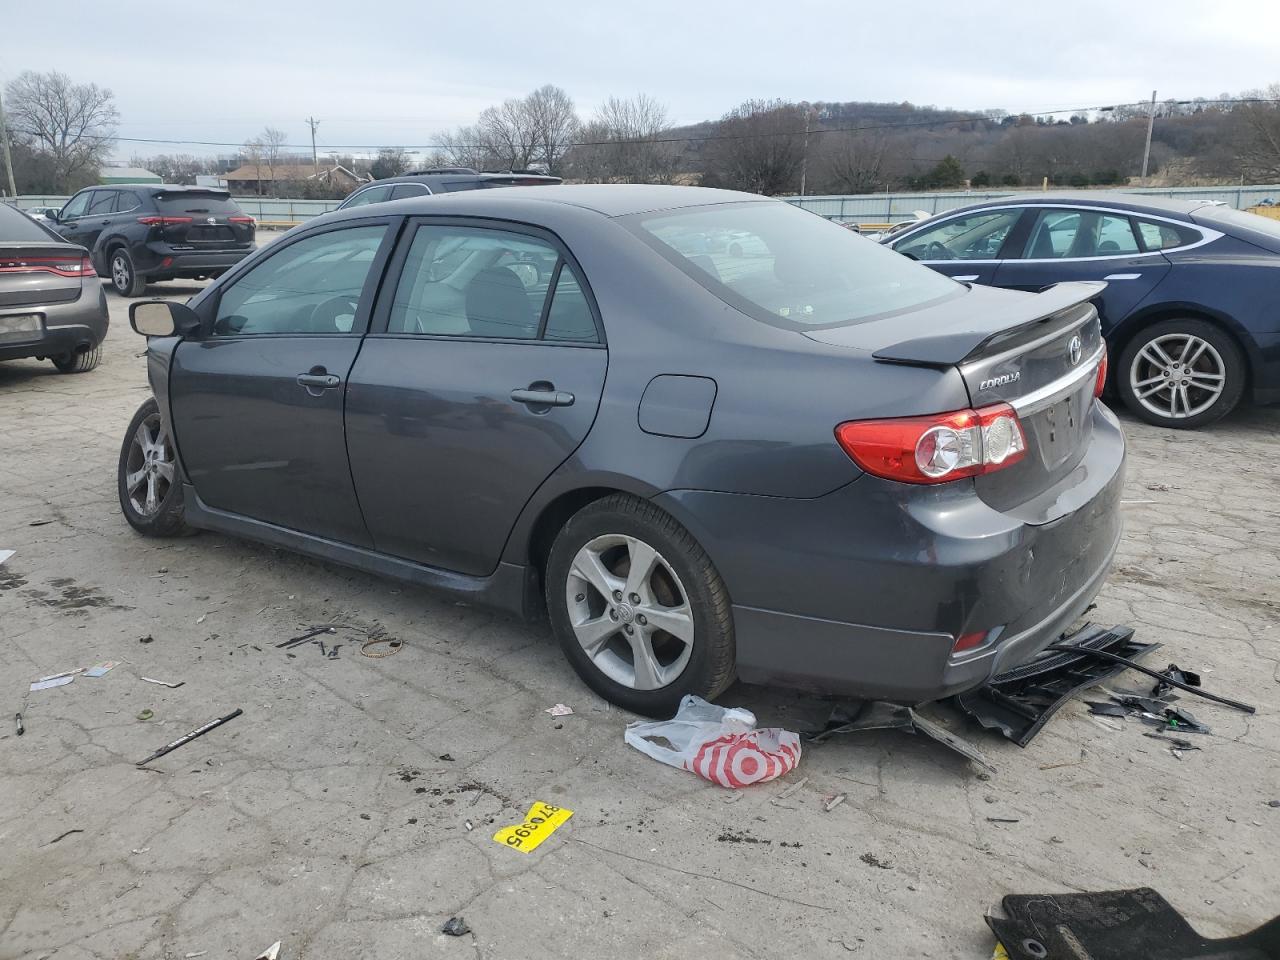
[(124, 275), (79, 361), (638, 608), (147, 477), (1181, 374)]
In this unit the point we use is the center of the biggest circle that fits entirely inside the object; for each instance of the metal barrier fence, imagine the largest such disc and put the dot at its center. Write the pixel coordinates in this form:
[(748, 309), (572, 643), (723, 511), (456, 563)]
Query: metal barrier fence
[(891, 207), (261, 208)]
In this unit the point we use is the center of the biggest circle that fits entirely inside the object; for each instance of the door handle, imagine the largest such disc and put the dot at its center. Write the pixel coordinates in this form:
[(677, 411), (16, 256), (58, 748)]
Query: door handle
[(543, 398), (105, 222), (1122, 276), (323, 381), (967, 278)]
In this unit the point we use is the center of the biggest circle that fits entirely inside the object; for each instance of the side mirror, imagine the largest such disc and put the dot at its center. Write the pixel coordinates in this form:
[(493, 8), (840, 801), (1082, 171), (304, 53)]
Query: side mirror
[(163, 318), (53, 215)]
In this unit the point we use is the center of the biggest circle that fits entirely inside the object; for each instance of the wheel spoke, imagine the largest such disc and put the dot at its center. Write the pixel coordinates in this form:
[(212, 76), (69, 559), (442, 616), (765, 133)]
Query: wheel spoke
[(588, 565), (1202, 346), (153, 502), (165, 469), (143, 437), (1155, 354), (1152, 391), (134, 480), (1214, 379), (592, 634), (677, 621), (648, 672), (1186, 400), (643, 560)]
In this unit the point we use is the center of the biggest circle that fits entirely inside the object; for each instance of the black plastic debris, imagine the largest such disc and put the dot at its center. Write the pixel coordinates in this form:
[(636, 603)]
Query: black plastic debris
[(1117, 925), (1173, 672), (455, 927), (1175, 718), (1020, 702), (1107, 709), (876, 715)]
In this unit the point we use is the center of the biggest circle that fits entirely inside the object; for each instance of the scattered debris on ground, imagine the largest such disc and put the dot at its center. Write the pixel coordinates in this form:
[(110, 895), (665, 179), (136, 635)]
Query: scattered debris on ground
[(1019, 702), (198, 732), (101, 669), (559, 710), (455, 927), (720, 744), (542, 820), (164, 683), (64, 835), (6, 554), (871, 860), (145, 714), (830, 803), (876, 715), (17, 720), (372, 647), (1116, 925), (271, 953)]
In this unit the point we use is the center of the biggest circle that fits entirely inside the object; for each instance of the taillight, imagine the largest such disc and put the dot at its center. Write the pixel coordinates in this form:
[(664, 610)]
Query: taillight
[(967, 641), (239, 219), (937, 448), (72, 266), (163, 221), (1101, 382)]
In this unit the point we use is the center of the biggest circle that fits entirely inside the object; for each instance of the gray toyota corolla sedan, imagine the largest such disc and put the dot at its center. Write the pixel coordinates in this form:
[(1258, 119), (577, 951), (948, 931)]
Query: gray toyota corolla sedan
[(795, 458)]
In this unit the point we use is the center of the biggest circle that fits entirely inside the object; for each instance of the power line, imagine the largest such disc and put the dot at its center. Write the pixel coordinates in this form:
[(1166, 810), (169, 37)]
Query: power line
[(706, 138)]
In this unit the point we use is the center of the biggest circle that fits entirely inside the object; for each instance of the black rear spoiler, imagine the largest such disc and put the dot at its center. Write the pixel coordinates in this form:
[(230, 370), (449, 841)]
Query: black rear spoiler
[(957, 346)]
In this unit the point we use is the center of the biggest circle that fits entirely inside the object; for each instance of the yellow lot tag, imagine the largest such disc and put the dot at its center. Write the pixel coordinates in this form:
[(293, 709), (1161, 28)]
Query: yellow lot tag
[(539, 823)]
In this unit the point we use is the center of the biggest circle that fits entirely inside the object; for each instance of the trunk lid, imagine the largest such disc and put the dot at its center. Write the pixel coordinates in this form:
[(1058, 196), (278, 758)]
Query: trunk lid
[(34, 274), (200, 220), (1037, 352)]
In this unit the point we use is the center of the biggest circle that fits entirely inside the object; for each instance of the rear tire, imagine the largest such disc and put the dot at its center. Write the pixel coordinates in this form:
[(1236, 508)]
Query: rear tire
[(1182, 373), (79, 361), (618, 646), (124, 275), (147, 477)]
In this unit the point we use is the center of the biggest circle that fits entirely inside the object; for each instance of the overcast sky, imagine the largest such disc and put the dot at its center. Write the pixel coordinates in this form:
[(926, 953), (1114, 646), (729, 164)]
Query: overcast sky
[(398, 76)]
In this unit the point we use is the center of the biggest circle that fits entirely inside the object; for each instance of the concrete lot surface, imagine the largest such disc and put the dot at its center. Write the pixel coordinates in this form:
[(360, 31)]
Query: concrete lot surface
[(333, 814)]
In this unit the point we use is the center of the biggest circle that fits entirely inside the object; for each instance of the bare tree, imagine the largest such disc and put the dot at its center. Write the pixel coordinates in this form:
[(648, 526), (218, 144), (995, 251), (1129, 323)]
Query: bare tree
[(1259, 136), (851, 162), (624, 142), (253, 151), (174, 168), (553, 124), (391, 162), (272, 141), (463, 148), (70, 123), (759, 147)]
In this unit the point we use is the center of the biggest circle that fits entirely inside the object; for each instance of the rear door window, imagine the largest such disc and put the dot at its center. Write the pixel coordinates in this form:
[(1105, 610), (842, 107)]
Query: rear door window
[(1079, 234), (978, 236), (104, 201), (477, 282), (402, 190)]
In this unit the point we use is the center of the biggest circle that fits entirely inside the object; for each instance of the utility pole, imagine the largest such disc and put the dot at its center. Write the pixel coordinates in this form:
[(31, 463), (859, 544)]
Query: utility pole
[(804, 151), (8, 153), (315, 160), (1151, 122)]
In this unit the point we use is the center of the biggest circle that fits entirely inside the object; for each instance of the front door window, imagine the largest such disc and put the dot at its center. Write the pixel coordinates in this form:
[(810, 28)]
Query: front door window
[(978, 236)]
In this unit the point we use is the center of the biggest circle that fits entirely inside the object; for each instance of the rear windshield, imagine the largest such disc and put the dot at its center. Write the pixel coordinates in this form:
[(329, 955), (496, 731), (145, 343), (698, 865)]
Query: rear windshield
[(17, 227), (790, 268), (210, 204)]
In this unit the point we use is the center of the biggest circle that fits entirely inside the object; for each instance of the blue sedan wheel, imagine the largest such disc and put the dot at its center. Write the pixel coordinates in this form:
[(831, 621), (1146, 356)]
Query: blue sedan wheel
[(1181, 374)]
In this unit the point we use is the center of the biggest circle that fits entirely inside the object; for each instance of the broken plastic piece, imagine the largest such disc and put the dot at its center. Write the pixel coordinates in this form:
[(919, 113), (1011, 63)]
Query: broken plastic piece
[(455, 927), (876, 715), (57, 681), (198, 732), (101, 669), (1107, 709), (1019, 702), (271, 953), (164, 683), (1173, 672), (6, 554), (1117, 925), (559, 710)]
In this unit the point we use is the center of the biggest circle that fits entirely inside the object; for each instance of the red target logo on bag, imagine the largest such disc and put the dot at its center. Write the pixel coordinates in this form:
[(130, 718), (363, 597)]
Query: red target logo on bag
[(741, 759)]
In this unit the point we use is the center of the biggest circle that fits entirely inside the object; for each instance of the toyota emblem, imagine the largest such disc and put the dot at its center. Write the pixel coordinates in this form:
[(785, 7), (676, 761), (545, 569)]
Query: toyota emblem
[(1074, 350), (212, 220)]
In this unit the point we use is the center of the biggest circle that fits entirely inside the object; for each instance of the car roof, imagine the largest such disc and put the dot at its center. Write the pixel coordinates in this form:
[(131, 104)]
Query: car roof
[(1118, 199), (607, 199)]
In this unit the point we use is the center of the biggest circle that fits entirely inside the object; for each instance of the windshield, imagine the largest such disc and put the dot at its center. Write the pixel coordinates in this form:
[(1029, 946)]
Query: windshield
[(787, 267)]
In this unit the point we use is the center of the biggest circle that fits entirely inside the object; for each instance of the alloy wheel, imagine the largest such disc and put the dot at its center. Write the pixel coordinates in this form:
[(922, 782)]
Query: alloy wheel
[(1177, 376), (120, 273), (149, 468), (630, 612)]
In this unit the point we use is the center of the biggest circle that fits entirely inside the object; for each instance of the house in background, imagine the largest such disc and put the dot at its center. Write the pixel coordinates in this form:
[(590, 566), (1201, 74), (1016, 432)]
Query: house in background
[(269, 181), (210, 180), (108, 175)]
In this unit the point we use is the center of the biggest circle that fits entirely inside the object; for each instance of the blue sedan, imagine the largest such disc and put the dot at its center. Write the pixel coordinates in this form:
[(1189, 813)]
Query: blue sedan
[(1191, 308)]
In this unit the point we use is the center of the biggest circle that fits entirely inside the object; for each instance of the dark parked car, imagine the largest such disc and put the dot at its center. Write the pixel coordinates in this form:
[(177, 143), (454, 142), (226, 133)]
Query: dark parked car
[(51, 303), (142, 233), (1189, 310), (442, 180), (816, 464)]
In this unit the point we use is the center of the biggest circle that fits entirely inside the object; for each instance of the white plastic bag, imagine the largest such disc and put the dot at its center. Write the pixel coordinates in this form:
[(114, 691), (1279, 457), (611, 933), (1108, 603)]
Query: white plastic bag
[(719, 744)]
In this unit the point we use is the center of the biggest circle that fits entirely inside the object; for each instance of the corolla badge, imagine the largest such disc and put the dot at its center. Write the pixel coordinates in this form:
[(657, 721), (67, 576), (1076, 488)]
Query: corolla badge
[(1074, 350), (1000, 381)]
